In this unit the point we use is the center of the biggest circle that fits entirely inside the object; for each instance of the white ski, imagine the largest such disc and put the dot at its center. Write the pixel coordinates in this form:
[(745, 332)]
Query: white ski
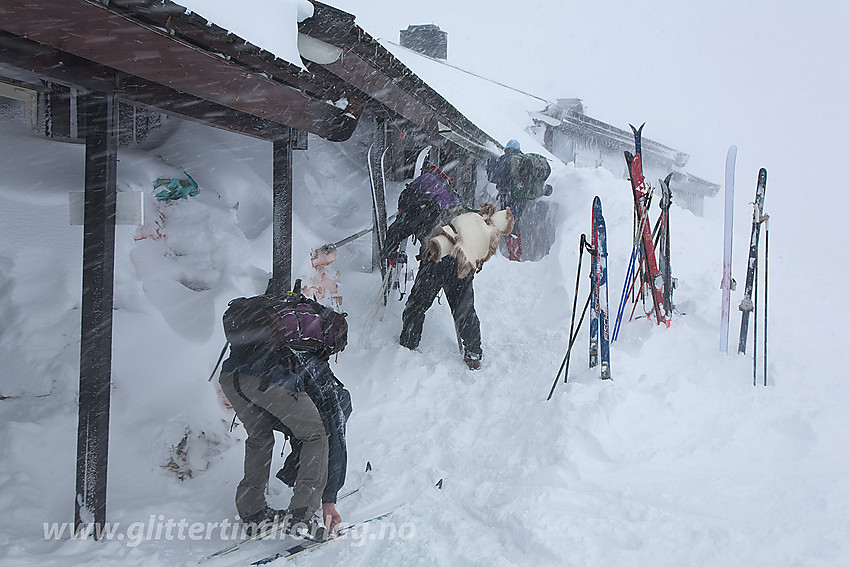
[(726, 284)]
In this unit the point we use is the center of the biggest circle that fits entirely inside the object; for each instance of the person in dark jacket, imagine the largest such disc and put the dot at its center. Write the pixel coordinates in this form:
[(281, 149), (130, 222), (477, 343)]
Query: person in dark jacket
[(425, 203), (519, 178), (297, 394), (504, 171)]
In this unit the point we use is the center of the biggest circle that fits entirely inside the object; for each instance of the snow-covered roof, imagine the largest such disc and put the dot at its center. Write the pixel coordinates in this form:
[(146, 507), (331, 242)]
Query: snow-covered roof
[(270, 24), (499, 110)]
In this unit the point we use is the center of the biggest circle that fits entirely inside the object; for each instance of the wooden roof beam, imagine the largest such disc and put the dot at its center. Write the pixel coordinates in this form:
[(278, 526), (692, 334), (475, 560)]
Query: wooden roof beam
[(93, 32)]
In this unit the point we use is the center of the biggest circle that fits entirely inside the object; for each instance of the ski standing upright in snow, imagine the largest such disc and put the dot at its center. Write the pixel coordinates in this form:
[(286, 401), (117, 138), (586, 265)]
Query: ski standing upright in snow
[(593, 350), (379, 211), (747, 305), (599, 334), (400, 271), (651, 274), (726, 284), (664, 244), (398, 268)]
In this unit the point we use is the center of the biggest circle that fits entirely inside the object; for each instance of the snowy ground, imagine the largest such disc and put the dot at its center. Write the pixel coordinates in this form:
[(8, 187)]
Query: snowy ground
[(677, 461)]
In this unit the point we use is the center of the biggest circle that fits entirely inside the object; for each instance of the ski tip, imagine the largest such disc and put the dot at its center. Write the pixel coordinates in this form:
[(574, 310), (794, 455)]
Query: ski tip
[(439, 484)]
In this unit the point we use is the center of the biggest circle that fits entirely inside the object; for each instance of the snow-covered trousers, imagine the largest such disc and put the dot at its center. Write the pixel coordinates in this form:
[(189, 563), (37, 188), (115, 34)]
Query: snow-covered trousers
[(259, 416), (431, 278)]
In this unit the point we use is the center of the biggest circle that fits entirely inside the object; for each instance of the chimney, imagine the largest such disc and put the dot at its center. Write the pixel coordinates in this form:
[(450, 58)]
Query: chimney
[(427, 39)]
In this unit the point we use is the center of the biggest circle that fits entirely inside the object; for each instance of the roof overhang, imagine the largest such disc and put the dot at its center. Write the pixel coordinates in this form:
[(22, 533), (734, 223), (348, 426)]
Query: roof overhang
[(153, 54), (576, 121), (367, 65)]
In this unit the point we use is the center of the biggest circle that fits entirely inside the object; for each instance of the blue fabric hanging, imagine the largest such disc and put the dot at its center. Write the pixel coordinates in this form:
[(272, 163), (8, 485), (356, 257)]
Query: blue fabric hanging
[(176, 188)]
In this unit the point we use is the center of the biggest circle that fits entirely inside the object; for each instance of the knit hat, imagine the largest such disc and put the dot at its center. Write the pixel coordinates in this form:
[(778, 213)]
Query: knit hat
[(512, 145)]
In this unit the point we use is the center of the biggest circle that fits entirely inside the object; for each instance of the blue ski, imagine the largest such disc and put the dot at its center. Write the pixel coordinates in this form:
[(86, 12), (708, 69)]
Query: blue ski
[(599, 332)]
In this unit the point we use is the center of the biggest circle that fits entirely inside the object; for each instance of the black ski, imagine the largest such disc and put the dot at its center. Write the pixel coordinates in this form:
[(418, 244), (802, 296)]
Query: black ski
[(309, 544), (271, 531), (746, 305), (664, 243)]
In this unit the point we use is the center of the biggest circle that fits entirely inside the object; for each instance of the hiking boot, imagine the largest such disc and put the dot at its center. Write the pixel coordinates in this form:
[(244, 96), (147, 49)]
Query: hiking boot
[(262, 521), (299, 525), (472, 360)]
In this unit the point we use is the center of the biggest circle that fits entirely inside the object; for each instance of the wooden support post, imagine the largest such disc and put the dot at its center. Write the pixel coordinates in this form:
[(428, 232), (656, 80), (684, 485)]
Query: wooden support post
[(101, 134), (282, 217)]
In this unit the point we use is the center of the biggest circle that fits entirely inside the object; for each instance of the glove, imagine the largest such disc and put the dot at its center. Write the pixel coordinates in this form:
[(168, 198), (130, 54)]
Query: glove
[(396, 257), (547, 190), (391, 258)]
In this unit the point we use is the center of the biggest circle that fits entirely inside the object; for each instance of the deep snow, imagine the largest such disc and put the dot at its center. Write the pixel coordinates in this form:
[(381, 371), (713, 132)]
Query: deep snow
[(677, 461)]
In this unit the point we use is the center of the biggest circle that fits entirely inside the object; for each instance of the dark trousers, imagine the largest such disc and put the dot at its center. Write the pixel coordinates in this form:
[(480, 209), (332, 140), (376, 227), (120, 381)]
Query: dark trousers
[(432, 277), (513, 242), (517, 207)]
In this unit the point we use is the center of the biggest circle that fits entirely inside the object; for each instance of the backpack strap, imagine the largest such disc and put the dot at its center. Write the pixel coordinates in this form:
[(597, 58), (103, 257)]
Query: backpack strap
[(239, 388)]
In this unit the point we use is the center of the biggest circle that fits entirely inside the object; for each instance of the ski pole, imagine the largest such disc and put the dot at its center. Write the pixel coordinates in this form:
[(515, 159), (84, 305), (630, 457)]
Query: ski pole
[(624, 296), (766, 240), (581, 245), (627, 288), (566, 361), (755, 316), (647, 280), (330, 246)]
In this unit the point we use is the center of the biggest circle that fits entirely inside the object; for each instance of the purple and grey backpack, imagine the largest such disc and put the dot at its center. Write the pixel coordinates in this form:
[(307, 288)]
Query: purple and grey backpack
[(432, 184), (294, 322)]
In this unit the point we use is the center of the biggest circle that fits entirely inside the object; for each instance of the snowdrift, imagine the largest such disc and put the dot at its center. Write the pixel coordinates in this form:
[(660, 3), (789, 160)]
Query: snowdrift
[(678, 460)]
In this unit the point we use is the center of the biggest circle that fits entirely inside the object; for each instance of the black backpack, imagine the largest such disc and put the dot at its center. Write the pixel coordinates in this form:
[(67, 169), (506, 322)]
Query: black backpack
[(292, 322)]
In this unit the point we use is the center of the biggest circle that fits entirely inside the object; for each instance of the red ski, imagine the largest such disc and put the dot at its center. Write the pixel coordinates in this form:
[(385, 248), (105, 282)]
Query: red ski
[(652, 275)]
